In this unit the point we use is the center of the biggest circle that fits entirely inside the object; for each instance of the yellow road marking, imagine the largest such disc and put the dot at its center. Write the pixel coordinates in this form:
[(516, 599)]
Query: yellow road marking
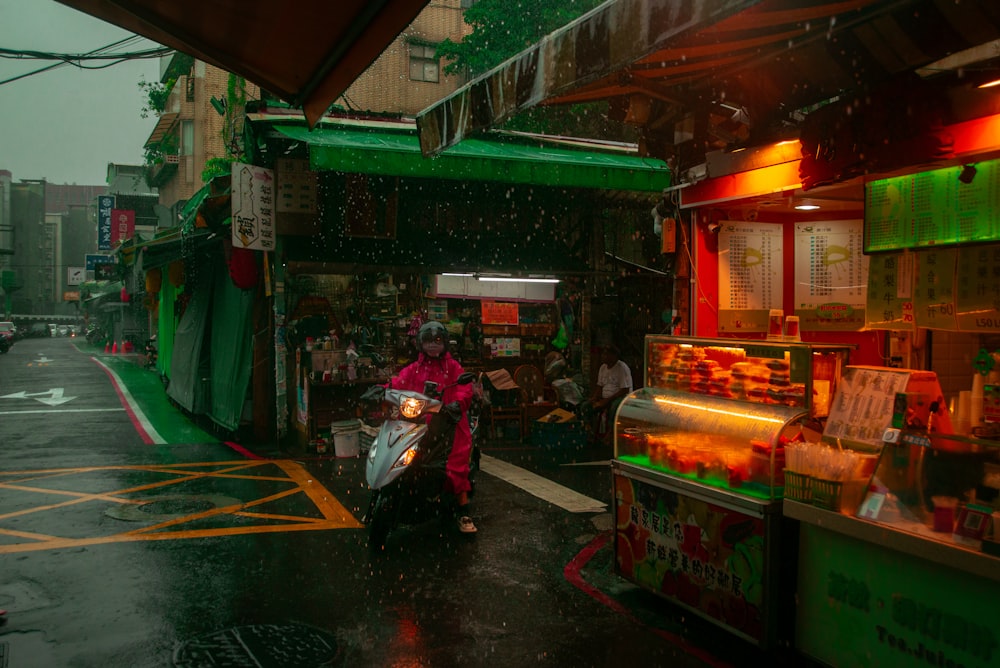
[(334, 515)]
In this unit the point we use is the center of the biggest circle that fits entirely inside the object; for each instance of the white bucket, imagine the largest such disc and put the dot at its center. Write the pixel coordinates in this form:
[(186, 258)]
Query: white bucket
[(347, 443)]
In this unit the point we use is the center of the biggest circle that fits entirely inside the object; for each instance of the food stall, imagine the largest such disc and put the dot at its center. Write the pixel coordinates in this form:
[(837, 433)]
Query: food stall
[(698, 472), (908, 573)]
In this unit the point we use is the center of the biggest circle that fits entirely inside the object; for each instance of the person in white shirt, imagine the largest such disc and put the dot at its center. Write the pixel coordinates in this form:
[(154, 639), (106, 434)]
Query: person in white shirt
[(614, 382)]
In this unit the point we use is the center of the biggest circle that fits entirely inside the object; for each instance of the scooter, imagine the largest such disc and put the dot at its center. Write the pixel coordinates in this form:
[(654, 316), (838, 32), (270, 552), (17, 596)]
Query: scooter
[(405, 466)]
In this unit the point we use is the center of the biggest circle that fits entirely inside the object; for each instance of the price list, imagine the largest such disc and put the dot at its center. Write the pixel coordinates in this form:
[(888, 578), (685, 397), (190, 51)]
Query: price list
[(976, 204), (978, 289), (750, 275), (951, 205), (890, 303), (928, 222), (934, 289), (883, 211), (831, 275)]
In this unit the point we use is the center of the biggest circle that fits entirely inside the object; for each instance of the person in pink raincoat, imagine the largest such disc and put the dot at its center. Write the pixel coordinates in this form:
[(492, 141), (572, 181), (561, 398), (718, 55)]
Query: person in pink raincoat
[(435, 364)]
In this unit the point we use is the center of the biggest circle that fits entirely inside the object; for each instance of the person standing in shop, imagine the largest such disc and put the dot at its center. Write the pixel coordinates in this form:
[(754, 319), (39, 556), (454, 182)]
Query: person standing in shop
[(614, 382)]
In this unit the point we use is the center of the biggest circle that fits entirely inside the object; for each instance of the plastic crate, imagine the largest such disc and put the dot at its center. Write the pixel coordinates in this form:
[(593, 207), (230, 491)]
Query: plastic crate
[(840, 496), (558, 434), (798, 486)]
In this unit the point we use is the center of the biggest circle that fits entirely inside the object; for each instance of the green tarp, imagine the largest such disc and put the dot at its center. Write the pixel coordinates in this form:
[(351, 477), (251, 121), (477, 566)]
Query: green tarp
[(213, 349), (398, 154)]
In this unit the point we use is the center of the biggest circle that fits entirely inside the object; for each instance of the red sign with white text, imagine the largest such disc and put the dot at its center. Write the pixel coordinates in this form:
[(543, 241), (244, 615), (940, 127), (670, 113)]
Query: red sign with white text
[(122, 225)]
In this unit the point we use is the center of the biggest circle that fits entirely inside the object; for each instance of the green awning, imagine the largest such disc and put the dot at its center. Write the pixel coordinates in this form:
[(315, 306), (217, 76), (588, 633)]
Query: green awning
[(398, 154)]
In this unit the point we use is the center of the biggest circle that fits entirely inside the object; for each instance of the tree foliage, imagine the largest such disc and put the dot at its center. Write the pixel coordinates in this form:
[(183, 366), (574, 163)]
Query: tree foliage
[(504, 28), (501, 28)]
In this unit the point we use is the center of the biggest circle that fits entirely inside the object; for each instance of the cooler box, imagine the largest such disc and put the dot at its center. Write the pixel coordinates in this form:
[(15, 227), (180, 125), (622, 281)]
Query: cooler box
[(551, 434)]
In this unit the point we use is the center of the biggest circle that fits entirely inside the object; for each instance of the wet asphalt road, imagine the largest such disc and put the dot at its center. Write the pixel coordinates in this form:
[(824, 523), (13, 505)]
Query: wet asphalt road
[(162, 546)]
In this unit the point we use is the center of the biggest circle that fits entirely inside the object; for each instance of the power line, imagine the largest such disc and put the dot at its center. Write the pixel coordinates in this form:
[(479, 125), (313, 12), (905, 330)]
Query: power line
[(77, 59)]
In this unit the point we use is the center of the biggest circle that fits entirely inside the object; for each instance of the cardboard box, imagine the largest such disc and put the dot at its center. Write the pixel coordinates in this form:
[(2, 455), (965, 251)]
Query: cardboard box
[(557, 416)]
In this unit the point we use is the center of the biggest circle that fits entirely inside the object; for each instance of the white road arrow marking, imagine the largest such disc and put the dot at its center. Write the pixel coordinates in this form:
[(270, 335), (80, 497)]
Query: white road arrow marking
[(54, 396), (43, 360)]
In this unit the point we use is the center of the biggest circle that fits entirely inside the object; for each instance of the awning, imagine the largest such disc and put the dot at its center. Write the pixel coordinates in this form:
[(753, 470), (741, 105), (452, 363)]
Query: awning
[(510, 161), (306, 52), (727, 65)]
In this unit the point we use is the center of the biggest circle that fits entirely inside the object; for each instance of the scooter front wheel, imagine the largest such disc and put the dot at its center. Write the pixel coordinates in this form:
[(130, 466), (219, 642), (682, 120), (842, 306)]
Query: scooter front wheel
[(381, 518)]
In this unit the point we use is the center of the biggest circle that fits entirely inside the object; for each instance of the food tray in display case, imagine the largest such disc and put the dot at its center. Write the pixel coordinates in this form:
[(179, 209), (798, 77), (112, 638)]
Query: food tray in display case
[(797, 375), (736, 447)]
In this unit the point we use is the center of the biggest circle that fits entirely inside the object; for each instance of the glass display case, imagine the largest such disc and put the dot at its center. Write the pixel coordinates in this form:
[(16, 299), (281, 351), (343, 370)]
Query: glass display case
[(699, 473)]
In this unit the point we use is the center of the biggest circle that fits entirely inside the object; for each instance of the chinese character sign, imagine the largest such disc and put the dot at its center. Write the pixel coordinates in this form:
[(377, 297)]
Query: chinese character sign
[(253, 207), (750, 275), (122, 225), (105, 203), (977, 290), (934, 290), (831, 275), (890, 296)]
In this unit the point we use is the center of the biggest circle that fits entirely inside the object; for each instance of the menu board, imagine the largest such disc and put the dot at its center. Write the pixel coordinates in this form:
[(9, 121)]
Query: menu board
[(977, 289), (750, 275), (863, 406), (890, 297), (831, 275), (934, 208), (934, 289)]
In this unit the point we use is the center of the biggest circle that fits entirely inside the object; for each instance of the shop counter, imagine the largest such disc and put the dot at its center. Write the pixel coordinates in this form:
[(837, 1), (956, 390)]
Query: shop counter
[(910, 576)]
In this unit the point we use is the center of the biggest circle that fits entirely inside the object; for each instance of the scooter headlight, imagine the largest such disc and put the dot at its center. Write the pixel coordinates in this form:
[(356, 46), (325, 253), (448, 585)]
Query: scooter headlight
[(406, 458), (411, 408)]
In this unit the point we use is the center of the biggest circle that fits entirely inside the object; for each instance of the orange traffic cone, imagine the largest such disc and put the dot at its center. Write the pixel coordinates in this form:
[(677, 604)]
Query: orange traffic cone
[(107, 347), (114, 348)]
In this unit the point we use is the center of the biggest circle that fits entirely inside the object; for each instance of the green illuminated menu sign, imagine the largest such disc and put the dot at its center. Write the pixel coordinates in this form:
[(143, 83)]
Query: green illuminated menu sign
[(933, 208)]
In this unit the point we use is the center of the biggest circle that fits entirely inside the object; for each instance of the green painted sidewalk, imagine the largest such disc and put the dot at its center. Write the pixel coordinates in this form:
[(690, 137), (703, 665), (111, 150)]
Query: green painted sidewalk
[(150, 396)]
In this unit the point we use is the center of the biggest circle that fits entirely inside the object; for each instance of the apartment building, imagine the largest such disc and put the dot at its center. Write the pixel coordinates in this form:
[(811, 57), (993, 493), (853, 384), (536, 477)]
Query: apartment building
[(407, 77)]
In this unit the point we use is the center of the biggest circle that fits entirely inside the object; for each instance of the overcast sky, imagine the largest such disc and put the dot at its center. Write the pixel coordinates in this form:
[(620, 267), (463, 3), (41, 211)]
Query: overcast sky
[(67, 124)]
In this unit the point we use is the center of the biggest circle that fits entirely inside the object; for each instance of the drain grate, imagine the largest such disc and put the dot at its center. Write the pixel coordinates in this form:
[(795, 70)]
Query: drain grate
[(259, 646)]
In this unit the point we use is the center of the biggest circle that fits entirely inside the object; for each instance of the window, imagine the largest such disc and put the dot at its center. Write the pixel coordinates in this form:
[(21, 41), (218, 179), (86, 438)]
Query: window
[(423, 64), (187, 138)]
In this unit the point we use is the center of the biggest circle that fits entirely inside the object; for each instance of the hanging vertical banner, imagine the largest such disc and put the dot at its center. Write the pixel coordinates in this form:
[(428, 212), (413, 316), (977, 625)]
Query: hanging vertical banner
[(831, 275), (122, 225), (252, 207), (934, 289), (105, 203), (890, 299), (977, 289), (750, 275)]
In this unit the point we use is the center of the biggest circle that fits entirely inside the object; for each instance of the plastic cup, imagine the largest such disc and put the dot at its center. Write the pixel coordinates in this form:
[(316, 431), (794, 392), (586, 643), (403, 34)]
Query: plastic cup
[(792, 328), (944, 513), (775, 324)]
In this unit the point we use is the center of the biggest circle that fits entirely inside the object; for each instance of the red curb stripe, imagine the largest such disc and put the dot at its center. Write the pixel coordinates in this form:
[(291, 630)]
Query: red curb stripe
[(243, 451), (143, 434), (572, 573)]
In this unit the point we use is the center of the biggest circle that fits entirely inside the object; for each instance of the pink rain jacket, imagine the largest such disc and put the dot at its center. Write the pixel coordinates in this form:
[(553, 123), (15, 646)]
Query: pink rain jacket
[(445, 370)]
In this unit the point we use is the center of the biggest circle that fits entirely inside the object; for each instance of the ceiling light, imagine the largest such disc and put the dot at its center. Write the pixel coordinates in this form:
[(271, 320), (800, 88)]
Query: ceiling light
[(469, 273), (807, 207), (516, 279), (990, 84)]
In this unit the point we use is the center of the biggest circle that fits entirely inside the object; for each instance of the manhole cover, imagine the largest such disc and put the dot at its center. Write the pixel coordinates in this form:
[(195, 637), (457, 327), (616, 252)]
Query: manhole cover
[(169, 506), (259, 646)]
